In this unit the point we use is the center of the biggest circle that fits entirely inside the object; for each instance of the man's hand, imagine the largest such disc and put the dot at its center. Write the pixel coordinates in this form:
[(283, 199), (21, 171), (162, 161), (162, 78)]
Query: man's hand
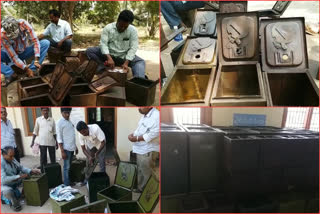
[(22, 176), (57, 147), (64, 155), (125, 65), (91, 160), (35, 171), (77, 151), (60, 44), (132, 138), (37, 64), (29, 72), (32, 143), (109, 63)]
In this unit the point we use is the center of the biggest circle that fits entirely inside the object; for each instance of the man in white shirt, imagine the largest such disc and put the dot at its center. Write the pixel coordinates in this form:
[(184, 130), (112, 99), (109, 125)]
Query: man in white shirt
[(145, 143), (92, 141), (67, 142), (45, 129), (59, 31), (7, 134)]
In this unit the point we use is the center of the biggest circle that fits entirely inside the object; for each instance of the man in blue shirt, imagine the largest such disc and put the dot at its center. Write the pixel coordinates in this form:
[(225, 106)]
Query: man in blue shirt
[(7, 134), (12, 173), (67, 142)]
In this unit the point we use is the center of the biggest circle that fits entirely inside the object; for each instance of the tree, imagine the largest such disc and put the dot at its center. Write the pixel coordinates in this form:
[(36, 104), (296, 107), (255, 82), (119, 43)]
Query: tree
[(104, 12)]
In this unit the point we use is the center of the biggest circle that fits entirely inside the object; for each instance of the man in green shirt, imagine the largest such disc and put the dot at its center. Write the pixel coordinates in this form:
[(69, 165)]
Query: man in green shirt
[(118, 46)]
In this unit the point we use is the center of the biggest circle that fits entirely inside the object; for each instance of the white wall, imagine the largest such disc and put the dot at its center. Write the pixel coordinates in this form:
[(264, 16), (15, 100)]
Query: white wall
[(127, 122), (224, 116)]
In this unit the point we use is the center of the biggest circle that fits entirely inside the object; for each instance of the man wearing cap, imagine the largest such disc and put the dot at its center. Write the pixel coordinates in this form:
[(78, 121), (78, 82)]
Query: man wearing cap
[(15, 36), (92, 141), (59, 31), (45, 129), (67, 142), (7, 134), (145, 143), (118, 46)]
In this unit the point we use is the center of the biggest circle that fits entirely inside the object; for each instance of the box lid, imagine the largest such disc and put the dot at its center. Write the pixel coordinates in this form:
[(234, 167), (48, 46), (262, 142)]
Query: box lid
[(143, 82), (150, 195), (95, 207), (283, 45), (102, 84), (126, 174), (205, 23), (87, 70), (280, 6), (57, 72), (233, 6), (238, 38), (199, 50), (171, 128), (61, 87)]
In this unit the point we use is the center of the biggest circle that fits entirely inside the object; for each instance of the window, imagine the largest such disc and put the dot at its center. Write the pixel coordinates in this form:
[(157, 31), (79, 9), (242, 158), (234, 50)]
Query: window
[(31, 115), (303, 118), (186, 115)]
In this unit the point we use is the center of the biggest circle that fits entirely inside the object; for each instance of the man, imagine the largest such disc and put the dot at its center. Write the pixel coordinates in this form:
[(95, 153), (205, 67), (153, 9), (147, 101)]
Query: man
[(45, 129), (92, 141), (145, 141), (59, 31), (7, 134), (15, 35), (169, 11), (12, 174), (67, 142), (118, 46)]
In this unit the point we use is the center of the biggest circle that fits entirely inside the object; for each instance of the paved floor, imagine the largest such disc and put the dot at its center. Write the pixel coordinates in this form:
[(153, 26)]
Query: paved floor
[(307, 9), (33, 162)]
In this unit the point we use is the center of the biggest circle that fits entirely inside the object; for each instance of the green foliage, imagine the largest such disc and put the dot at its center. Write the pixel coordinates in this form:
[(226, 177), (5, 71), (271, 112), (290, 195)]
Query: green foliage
[(104, 12)]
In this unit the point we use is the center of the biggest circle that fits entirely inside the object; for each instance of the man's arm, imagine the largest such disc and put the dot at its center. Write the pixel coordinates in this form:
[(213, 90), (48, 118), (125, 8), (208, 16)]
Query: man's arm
[(35, 132), (105, 48), (12, 54), (67, 32), (102, 138), (34, 39), (134, 44)]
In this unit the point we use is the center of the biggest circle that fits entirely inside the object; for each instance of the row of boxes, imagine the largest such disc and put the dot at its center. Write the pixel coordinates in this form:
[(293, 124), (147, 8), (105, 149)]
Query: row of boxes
[(232, 74)]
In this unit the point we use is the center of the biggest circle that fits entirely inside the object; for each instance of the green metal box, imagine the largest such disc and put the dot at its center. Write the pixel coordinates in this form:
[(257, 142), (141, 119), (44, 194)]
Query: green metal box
[(312, 206), (36, 190), (66, 206), (75, 173), (124, 182), (95, 207), (53, 172), (145, 204), (97, 182)]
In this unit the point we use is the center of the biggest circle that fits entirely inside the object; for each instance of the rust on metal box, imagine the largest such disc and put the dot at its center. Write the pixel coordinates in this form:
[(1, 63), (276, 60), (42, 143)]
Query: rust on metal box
[(204, 23), (57, 72), (118, 74), (61, 88), (71, 63), (115, 96), (238, 37), (233, 6), (87, 70), (283, 45), (102, 84), (81, 95), (29, 82), (55, 55)]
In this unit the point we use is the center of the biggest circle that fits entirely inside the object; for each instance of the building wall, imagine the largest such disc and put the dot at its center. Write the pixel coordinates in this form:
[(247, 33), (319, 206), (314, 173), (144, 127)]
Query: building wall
[(224, 116), (126, 122)]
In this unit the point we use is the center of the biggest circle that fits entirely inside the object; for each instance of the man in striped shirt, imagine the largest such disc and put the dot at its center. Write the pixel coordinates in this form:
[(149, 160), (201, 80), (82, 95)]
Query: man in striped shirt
[(18, 43)]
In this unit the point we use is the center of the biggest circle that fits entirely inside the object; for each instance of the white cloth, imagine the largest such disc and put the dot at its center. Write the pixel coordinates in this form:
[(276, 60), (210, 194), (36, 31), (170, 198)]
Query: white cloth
[(59, 31), (95, 137), (148, 127), (63, 193), (45, 129)]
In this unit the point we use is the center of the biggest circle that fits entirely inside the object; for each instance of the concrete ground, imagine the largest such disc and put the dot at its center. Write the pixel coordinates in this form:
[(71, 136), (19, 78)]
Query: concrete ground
[(33, 162), (307, 9)]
